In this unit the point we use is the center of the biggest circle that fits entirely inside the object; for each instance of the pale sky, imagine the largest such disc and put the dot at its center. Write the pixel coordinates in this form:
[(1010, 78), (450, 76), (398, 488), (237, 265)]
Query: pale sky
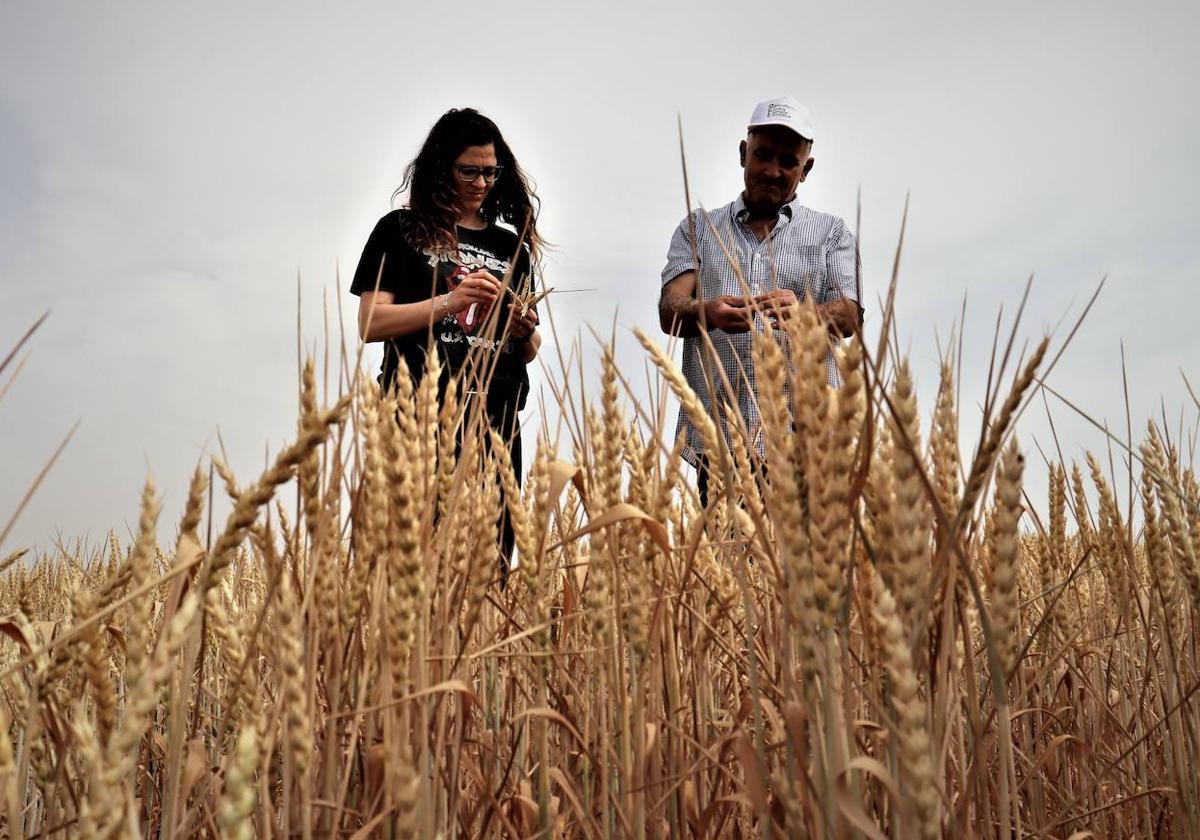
[(167, 171)]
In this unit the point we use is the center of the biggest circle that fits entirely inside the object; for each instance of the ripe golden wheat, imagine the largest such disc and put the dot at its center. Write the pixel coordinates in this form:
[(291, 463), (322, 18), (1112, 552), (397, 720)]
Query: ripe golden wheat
[(872, 641)]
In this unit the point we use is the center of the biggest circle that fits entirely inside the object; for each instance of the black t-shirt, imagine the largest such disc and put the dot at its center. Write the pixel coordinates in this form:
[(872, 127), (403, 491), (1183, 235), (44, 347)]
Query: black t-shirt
[(411, 275)]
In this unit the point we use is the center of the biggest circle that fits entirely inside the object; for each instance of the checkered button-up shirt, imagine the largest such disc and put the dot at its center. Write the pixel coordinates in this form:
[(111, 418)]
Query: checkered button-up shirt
[(811, 253)]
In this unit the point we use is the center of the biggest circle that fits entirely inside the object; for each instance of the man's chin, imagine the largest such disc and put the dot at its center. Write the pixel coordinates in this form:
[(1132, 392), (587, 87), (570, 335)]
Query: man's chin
[(765, 198)]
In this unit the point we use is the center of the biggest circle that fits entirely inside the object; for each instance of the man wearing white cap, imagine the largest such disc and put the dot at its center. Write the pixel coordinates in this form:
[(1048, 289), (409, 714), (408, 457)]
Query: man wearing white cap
[(785, 253)]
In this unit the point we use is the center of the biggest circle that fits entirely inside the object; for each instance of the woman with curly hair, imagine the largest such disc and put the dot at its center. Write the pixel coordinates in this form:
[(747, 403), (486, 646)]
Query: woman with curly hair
[(438, 272)]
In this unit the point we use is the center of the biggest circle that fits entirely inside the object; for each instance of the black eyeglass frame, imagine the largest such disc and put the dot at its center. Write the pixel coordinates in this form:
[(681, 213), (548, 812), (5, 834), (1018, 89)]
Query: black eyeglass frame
[(461, 171)]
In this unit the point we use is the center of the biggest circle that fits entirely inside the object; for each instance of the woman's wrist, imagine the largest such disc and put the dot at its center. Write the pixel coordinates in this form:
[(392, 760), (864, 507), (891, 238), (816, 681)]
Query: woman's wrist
[(529, 347), (441, 306)]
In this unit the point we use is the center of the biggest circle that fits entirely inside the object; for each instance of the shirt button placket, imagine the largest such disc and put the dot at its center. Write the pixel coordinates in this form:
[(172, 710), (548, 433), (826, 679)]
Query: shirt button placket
[(757, 283)]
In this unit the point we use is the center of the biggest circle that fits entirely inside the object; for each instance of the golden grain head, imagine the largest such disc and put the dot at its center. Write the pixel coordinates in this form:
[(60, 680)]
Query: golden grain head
[(806, 655)]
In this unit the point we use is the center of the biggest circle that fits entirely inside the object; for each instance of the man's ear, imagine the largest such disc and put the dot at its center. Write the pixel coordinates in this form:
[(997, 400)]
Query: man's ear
[(808, 165), (742, 154)]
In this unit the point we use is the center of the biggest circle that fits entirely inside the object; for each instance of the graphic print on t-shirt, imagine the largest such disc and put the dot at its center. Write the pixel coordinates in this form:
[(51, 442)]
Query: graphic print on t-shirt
[(391, 264), (456, 333), (471, 258)]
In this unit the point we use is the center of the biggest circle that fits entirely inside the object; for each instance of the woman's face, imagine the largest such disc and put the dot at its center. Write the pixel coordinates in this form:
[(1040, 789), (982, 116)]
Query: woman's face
[(479, 161)]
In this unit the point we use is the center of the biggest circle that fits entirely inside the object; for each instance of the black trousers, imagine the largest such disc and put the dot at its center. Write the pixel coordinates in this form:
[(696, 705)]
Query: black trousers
[(507, 537), (702, 477), (502, 416), (702, 480), (504, 420)]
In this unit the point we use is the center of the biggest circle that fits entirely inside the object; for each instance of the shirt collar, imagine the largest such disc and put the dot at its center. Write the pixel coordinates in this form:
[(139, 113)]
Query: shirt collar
[(787, 212)]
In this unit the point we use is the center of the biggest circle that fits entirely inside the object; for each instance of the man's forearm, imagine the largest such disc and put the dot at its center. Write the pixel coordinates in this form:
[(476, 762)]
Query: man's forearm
[(841, 316), (679, 314)]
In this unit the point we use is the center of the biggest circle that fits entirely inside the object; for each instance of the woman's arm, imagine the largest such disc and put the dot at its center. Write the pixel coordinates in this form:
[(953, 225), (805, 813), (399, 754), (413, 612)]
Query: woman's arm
[(523, 328), (380, 318), (529, 349)]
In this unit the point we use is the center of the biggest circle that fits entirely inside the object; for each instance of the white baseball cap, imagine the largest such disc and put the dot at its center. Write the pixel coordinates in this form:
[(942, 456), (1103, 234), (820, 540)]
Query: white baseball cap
[(784, 111)]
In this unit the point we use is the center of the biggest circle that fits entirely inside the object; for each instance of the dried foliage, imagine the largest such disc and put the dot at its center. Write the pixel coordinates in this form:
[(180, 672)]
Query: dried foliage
[(868, 640)]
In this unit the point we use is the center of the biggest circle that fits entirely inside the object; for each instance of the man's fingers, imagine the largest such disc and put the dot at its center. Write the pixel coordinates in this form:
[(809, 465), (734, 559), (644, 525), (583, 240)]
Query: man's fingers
[(785, 296)]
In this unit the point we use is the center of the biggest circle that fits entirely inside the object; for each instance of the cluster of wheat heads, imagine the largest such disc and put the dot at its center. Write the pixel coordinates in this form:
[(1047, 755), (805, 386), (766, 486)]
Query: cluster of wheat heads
[(880, 639)]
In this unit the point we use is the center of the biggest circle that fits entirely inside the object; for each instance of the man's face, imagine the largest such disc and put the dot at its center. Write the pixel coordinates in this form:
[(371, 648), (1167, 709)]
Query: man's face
[(774, 162)]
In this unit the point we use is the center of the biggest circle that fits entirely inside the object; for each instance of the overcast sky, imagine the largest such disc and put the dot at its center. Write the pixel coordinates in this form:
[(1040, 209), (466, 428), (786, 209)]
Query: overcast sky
[(168, 170)]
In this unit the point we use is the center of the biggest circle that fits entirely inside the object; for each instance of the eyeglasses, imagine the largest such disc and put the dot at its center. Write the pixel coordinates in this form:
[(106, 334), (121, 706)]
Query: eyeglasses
[(470, 173)]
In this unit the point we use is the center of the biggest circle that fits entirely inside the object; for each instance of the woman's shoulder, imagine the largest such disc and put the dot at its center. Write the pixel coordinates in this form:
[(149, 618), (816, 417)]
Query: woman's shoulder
[(392, 229), (394, 220), (505, 238)]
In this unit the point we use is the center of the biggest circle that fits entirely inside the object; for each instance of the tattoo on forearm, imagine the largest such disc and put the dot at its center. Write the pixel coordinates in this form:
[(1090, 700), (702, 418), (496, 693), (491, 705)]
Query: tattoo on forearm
[(677, 312)]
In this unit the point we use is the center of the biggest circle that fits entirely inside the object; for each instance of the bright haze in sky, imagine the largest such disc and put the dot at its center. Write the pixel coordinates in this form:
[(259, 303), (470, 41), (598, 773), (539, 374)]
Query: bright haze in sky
[(168, 172)]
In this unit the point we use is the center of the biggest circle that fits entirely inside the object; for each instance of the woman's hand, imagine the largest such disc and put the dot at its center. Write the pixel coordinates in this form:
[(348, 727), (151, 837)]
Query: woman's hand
[(521, 325), (476, 287)]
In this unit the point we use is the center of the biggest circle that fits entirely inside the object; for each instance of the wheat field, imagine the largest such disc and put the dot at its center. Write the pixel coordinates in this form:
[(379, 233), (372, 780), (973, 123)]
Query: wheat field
[(881, 639)]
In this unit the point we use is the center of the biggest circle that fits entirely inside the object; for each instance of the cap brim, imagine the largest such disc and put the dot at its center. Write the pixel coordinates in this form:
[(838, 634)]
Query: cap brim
[(786, 125)]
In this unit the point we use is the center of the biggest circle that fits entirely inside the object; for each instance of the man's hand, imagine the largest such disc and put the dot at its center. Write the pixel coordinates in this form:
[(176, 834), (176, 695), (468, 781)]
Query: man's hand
[(840, 316), (729, 313), (679, 313), (778, 304)]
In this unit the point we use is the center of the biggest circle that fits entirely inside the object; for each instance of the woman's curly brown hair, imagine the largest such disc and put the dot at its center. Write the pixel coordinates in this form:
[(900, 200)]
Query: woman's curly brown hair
[(431, 190)]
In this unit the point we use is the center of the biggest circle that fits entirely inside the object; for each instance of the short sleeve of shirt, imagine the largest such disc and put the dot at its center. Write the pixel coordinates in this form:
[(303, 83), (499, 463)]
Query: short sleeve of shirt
[(522, 278), (841, 265), (389, 260), (680, 256)]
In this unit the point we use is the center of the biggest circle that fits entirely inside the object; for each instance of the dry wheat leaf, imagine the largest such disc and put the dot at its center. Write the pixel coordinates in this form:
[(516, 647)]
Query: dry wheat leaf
[(117, 635), (195, 766), (46, 630), (13, 630), (851, 806), (550, 714), (560, 778), (621, 512), (755, 783), (560, 473)]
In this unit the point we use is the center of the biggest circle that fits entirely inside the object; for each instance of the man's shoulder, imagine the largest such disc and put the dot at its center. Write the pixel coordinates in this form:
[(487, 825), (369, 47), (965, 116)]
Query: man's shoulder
[(815, 220), (704, 217)]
